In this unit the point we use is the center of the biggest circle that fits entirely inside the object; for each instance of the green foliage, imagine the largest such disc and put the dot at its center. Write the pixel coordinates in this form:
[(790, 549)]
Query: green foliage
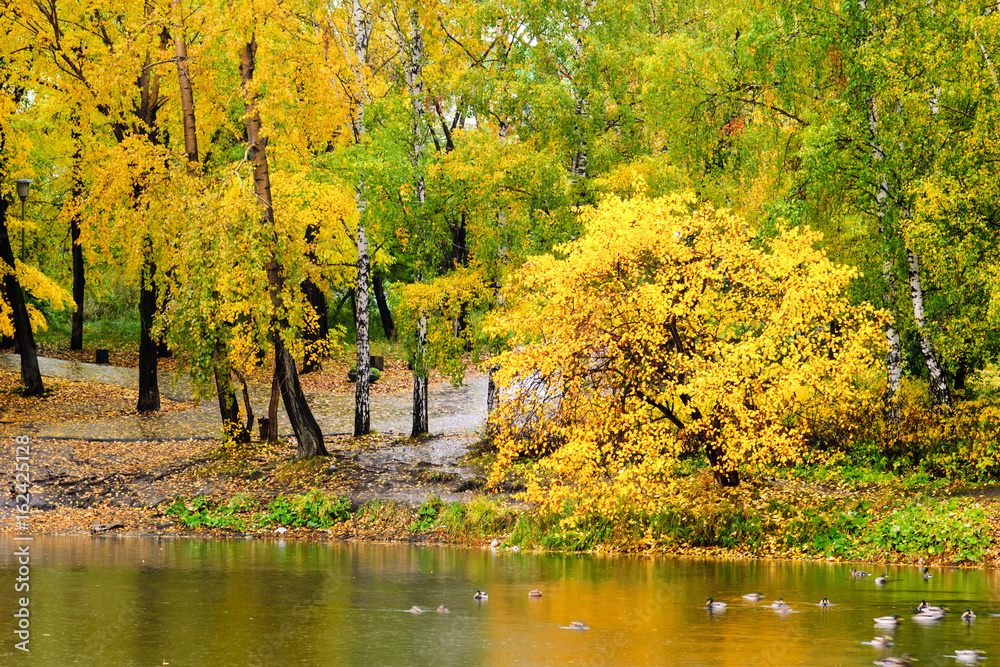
[(427, 513), (200, 512), (933, 528), (314, 509), (830, 530)]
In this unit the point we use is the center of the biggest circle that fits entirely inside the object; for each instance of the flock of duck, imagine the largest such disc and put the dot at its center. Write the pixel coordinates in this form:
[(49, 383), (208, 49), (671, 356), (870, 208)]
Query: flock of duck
[(926, 613), (481, 595)]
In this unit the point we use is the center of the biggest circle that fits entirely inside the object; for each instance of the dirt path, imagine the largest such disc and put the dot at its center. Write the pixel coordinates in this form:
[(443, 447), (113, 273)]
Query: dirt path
[(123, 469)]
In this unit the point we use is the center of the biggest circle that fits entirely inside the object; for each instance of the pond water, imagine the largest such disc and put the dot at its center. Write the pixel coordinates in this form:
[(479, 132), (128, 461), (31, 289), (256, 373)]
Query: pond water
[(134, 601)]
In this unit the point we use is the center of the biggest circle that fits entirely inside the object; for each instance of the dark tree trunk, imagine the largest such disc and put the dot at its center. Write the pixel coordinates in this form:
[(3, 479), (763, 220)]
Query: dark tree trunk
[(272, 407), (76, 333), (299, 414), (30, 375), (388, 326), (149, 391), (232, 427), (317, 300), (492, 396), (421, 424), (162, 351), (307, 432), (960, 373), (722, 476)]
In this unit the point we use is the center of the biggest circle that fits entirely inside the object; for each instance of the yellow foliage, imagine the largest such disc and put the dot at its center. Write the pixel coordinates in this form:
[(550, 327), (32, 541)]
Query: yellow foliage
[(40, 286), (666, 329)]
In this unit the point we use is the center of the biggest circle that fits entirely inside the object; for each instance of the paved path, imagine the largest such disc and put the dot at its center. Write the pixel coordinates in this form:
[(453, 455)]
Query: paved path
[(453, 412)]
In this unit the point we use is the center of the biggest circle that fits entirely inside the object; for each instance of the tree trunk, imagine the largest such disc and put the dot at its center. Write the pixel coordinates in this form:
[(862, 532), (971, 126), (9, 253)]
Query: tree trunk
[(30, 375), (317, 300), (272, 406), (149, 390), (76, 332), (412, 45), (492, 397), (145, 109), (220, 359), (184, 80), (894, 358), (578, 171), (938, 381), (385, 315), (232, 427), (362, 408), (307, 432), (421, 423)]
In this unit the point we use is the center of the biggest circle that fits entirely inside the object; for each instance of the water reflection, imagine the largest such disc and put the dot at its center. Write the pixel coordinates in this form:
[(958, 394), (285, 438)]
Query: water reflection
[(133, 601)]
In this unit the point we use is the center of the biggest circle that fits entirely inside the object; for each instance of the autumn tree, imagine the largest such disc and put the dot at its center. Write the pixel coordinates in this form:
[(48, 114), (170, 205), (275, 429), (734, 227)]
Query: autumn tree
[(669, 328)]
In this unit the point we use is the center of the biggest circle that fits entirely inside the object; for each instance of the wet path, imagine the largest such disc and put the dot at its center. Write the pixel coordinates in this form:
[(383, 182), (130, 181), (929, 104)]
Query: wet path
[(454, 413)]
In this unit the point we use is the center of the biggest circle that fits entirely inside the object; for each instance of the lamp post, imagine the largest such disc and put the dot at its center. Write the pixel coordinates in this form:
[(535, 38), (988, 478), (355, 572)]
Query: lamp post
[(23, 185)]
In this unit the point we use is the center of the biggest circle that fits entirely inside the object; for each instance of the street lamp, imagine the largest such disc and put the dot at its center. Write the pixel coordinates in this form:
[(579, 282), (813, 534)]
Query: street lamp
[(23, 185)]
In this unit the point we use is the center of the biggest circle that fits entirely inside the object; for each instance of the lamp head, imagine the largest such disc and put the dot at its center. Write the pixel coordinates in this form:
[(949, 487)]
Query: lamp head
[(23, 185)]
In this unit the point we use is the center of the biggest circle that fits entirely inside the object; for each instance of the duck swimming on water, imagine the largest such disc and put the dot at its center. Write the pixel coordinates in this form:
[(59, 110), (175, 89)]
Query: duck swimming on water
[(715, 606), (480, 595)]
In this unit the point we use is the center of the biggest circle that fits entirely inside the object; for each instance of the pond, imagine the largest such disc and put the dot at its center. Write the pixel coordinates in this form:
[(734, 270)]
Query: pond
[(136, 601)]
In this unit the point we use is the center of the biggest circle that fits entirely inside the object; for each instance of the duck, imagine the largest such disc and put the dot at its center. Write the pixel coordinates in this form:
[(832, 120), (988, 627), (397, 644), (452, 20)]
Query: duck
[(888, 621), (881, 640), (969, 656), (415, 610), (480, 595), (576, 625), (929, 608), (904, 660), (857, 574), (779, 604), (534, 593), (442, 609), (754, 597), (927, 575), (882, 578), (825, 603), (968, 614), (928, 616), (715, 606)]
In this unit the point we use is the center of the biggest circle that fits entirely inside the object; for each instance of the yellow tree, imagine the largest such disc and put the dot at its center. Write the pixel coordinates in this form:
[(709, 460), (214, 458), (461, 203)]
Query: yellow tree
[(670, 328)]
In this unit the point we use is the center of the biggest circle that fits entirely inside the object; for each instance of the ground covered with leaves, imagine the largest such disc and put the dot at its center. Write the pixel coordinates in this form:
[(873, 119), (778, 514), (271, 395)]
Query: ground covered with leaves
[(68, 401)]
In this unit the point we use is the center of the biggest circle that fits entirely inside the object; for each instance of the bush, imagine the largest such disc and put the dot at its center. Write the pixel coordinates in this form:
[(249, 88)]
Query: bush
[(314, 509), (935, 529)]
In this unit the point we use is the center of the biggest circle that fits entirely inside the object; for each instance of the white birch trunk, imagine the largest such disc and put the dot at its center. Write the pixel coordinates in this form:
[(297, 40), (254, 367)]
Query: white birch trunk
[(938, 382), (894, 358), (935, 374), (362, 406), (412, 46), (579, 168)]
